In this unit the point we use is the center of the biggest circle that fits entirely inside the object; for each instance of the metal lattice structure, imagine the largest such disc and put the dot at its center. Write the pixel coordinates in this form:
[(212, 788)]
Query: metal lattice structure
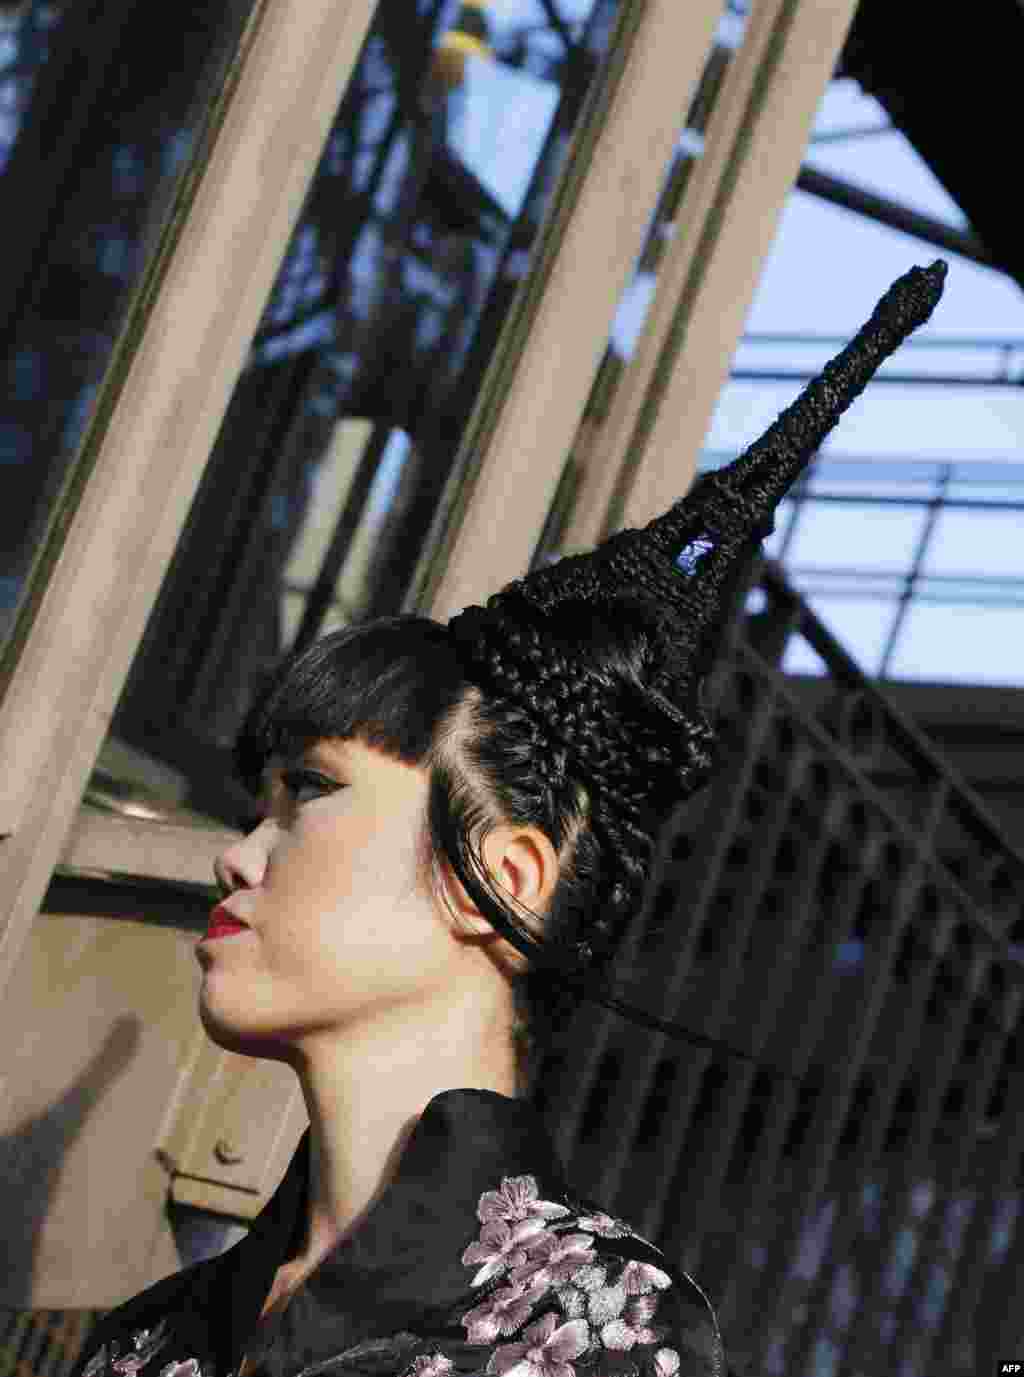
[(43, 1343), (903, 568), (845, 1196)]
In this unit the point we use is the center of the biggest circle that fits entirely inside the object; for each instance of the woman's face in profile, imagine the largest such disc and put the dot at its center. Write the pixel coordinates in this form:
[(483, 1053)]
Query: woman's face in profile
[(341, 926)]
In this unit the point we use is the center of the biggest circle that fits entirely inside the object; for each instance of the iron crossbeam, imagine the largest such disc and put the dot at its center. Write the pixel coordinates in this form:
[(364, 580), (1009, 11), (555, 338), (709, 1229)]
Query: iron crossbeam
[(905, 379), (958, 342), (898, 217)]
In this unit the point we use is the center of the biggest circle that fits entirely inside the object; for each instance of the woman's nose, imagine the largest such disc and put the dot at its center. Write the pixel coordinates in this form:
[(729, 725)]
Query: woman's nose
[(243, 864)]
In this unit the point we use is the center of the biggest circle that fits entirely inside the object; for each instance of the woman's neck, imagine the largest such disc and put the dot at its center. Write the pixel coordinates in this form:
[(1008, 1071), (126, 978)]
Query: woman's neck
[(365, 1093)]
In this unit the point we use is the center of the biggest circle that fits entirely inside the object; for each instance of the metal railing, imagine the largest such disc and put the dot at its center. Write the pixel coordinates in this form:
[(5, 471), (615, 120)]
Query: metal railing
[(925, 491), (844, 1198), (43, 1343)]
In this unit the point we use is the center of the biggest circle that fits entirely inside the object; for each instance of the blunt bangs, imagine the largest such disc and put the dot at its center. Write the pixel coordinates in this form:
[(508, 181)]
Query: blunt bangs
[(387, 683)]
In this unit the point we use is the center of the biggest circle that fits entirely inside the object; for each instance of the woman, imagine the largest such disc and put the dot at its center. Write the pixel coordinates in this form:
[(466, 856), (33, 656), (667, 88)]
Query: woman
[(458, 826)]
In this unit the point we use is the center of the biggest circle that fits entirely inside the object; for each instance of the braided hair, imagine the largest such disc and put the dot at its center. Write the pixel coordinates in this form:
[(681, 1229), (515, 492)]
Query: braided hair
[(572, 700), (398, 685)]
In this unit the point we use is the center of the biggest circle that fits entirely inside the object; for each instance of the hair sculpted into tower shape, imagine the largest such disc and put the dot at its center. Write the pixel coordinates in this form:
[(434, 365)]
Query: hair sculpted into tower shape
[(571, 700)]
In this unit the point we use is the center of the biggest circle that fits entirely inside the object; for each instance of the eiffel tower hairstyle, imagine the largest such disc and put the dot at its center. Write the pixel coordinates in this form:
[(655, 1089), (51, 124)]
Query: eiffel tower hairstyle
[(591, 672), (652, 740)]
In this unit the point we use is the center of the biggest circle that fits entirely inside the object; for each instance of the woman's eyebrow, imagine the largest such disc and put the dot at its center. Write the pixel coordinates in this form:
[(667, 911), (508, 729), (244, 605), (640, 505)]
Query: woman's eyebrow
[(311, 756), (316, 754)]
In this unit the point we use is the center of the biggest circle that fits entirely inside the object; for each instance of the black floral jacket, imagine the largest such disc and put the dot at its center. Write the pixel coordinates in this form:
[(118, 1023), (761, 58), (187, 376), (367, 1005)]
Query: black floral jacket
[(477, 1259)]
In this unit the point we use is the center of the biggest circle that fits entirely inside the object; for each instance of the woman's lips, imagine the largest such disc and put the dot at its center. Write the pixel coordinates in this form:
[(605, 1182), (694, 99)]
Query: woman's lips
[(222, 924)]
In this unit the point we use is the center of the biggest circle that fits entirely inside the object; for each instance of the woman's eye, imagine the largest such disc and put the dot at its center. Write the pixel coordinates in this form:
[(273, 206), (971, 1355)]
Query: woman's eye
[(304, 785)]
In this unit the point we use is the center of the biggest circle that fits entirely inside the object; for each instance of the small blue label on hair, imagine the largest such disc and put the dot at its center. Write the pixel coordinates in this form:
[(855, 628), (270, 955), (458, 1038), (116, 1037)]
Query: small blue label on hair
[(690, 556)]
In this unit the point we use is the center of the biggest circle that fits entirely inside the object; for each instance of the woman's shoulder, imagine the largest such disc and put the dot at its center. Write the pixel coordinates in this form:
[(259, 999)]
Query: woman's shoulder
[(145, 1327), (561, 1276)]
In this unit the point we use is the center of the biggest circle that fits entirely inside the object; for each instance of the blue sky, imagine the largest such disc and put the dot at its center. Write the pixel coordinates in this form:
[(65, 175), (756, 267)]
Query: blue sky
[(823, 274)]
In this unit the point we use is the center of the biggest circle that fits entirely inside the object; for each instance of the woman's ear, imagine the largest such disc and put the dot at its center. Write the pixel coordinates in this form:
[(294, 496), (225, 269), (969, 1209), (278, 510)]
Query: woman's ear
[(523, 865)]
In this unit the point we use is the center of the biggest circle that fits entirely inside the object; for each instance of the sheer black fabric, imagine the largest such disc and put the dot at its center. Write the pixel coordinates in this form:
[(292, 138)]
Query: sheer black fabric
[(478, 1258)]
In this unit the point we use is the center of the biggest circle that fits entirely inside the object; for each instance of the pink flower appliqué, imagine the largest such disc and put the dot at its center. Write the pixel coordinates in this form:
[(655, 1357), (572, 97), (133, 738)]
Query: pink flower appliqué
[(640, 1277), (666, 1362), (130, 1364), (500, 1247), (633, 1327), (503, 1313), (429, 1365), (147, 1343), (517, 1199), (188, 1367), (605, 1225), (554, 1260), (606, 1303), (546, 1350)]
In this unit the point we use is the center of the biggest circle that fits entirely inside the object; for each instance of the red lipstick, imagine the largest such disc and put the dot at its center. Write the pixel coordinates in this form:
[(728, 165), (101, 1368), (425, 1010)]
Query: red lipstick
[(222, 924)]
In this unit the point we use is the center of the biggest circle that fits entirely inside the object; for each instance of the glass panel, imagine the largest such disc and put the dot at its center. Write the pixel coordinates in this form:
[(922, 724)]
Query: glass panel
[(503, 118), (368, 555), (846, 583), (976, 542), (801, 658), (99, 108), (340, 437), (987, 482), (856, 535), (963, 645), (861, 625), (875, 477), (974, 490), (988, 589)]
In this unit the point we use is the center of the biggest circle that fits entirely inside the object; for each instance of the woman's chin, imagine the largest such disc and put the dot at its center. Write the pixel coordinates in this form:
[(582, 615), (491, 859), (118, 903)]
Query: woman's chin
[(231, 1037)]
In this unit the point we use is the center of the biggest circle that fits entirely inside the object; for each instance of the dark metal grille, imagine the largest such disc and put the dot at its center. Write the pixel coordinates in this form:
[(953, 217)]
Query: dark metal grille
[(43, 1343), (848, 1198)]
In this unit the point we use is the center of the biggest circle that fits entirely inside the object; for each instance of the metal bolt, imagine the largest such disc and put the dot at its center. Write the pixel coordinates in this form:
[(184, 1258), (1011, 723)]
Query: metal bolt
[(227, 1153)]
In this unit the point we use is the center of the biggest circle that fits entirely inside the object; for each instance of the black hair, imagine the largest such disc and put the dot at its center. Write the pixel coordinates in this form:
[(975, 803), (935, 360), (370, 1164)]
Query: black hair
[(399, 684), (573, 700)]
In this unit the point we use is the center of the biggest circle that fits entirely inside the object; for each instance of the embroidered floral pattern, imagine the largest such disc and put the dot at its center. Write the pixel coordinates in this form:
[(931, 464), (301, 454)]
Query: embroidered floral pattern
[(429, 1365), (606, 1303), (504, 1312), (557, 1299), (605, 1225), (500, 1247), (572, 1301), (591, 1277), (130, 1364), (634, 1327), (640, 1277), (546, 1350), (188, 1367), (147, 1343), (554, 1258), (544, 1251), (516, 1200)]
